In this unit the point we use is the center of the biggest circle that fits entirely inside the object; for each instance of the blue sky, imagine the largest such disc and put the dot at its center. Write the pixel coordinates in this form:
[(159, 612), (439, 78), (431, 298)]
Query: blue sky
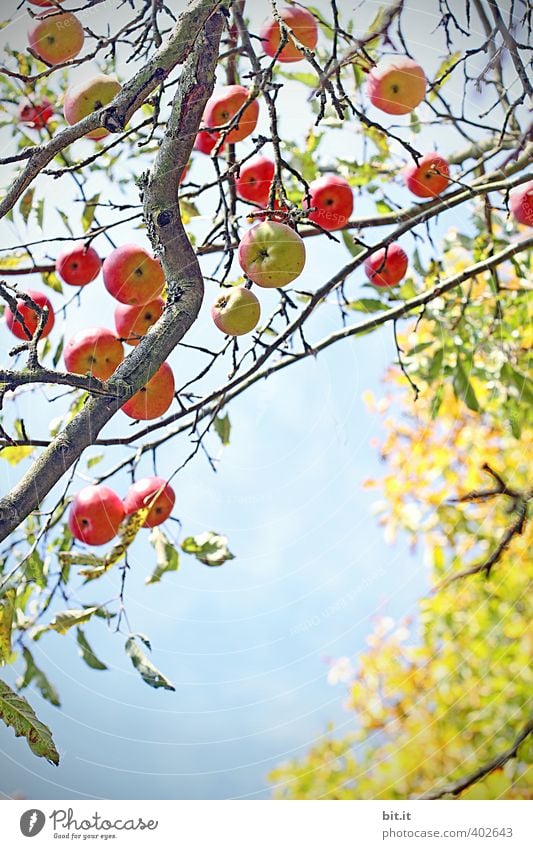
[(246, 645)]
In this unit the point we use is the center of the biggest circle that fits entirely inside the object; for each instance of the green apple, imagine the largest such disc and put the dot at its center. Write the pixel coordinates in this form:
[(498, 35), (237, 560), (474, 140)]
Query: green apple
[(272, 254), (236, 311)]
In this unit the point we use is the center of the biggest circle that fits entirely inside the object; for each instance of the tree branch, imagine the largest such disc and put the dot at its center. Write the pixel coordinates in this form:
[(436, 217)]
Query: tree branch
[(201, 28), (116, 114), (454, 788)]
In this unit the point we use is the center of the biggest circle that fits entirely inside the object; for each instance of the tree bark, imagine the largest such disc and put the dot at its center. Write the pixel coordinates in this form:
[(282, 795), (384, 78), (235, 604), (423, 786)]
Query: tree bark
[(182, 271)]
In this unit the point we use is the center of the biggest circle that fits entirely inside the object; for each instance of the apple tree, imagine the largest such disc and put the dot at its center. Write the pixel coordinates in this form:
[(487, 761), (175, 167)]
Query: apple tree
[(170, 121)]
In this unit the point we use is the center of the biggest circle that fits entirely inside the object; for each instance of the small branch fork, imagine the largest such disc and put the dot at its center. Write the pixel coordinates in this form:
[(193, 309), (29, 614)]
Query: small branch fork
[(519, 507)]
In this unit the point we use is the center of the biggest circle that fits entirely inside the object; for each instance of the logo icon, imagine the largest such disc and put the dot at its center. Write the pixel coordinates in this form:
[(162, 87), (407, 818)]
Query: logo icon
[(32, 822)]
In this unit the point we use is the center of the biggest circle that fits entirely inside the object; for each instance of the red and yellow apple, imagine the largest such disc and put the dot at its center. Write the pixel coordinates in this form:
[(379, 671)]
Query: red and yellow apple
[(396, 86), (224, 104), (206, 141), (521, 203), (36, 115), (154, 399), (56, 38), (30, 316), (387, 266), (95, 515), (95, 350), (255, 179), (132, 275), (87, 97), (429, 178), (155, 493), (272, 254), (44, 3), (133, 322), (78, 265), (236, 311), (333, 198), (303, 25)]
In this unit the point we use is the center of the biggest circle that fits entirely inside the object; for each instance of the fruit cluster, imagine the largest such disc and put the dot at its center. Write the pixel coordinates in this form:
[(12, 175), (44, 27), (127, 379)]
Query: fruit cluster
[(96, 512), (271, 253)]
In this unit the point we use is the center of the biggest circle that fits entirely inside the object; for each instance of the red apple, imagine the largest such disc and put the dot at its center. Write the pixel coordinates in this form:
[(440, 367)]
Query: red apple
[(31, 318), (206, 141), (132, 275), (36, 115), (429, 178), (396, 86), (224, 104), (154, 399), (56, 38), (521, 203), (236, 311), (255, 179), (78, 265), (95, 350), (150, 491), (132, 322), (87, 97), (95, 515), (303, 25), (272, 254), (333, 198), (45, 2), (387, 266)]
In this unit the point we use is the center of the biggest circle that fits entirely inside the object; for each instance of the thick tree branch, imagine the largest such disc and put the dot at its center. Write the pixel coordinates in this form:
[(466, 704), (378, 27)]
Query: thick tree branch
[(455, 788), (201, 28), (116, 114)]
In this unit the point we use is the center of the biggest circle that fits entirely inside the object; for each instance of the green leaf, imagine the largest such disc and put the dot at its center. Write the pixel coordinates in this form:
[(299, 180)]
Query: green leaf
[(407, 290), (7, 609), (37, 676), (16, 453), (436, 402), (51, 280), (367, 305), (66, 221), (463, 388), (58, 351), (93, 461), (12, 260), (148, 672), (89, 210), (209, 548), (68, 618), (445, 65), (309, 80), (383, 207), (87, 653), (354, 247), (522, 383), (417, 264), (188, 210), (34, 569), (167, 557), (19, 715), (414, 123), (39, 209), (26, 204), (223, 428)]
